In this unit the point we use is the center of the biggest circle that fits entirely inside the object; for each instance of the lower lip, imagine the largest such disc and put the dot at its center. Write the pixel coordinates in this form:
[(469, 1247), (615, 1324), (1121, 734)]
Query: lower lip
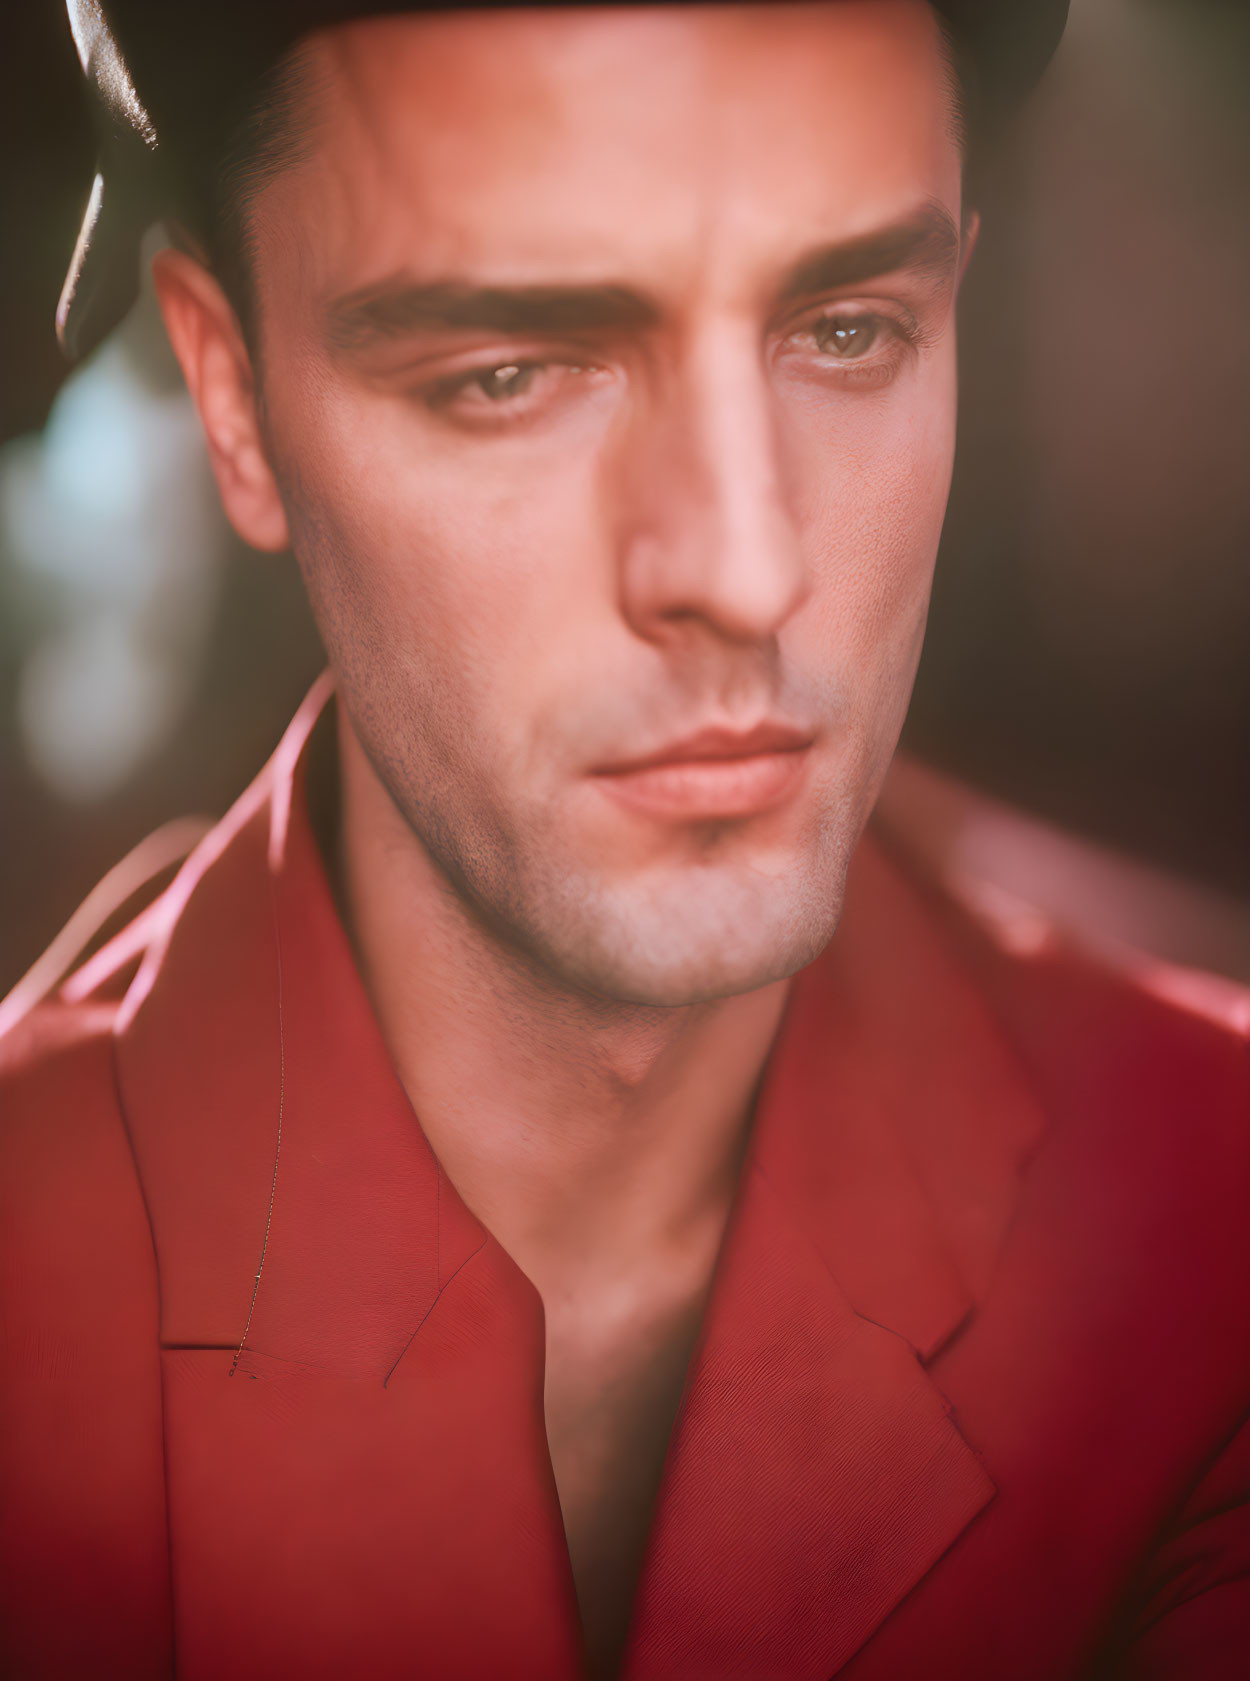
[(709, 788)]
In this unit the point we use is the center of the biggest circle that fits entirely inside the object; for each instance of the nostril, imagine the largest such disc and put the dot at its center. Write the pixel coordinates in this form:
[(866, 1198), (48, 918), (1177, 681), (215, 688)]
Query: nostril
[(741, 574)]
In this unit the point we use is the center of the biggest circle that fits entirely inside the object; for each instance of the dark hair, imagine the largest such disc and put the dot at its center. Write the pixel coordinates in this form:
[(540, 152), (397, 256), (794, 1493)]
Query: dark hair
[(961, 82), (275, 132)]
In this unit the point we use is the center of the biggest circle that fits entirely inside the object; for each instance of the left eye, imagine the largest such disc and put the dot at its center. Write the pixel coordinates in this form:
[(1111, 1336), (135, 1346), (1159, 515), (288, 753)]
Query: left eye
[(847, 336), (512, 379)]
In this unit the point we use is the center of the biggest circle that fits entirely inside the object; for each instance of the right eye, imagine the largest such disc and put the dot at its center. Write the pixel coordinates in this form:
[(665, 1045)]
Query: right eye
[(500, 393)]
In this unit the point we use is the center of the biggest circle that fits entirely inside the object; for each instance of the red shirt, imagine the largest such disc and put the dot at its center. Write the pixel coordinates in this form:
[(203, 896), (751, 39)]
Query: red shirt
[(966, 1402)]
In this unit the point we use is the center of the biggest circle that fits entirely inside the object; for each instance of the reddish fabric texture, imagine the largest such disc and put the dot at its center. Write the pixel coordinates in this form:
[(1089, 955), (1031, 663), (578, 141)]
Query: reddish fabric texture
[(966, 1401)]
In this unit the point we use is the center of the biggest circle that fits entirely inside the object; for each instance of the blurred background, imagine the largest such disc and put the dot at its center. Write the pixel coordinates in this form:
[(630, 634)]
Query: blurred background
[(1088, 661)]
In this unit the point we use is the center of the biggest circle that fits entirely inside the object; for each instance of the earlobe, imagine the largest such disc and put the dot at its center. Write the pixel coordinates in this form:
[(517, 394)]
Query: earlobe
[(209, 345)]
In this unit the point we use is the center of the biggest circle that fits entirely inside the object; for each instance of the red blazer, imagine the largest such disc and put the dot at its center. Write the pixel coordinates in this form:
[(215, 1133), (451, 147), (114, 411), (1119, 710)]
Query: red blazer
[(969, 1401)]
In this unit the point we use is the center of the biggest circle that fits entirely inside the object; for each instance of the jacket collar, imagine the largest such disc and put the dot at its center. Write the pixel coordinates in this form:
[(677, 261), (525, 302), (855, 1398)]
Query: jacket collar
[(304, 1232)]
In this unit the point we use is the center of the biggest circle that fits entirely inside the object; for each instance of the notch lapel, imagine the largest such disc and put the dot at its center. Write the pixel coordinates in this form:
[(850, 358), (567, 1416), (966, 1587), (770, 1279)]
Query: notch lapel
[(364, 1488), (815, 1476)]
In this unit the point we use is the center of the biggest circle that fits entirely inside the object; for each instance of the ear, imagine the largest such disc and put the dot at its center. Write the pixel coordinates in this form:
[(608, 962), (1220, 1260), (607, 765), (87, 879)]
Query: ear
[(208, 343), (967, 244)]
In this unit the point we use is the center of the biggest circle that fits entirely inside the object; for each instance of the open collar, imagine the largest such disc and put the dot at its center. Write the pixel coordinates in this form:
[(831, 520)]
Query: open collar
[(338, 1324)]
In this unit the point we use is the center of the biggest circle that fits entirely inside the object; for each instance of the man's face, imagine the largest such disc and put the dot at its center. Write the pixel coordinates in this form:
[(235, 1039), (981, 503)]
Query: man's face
[(608, 366)]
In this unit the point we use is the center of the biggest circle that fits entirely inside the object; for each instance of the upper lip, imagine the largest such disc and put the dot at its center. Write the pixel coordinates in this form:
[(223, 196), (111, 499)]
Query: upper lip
[(717, 742)]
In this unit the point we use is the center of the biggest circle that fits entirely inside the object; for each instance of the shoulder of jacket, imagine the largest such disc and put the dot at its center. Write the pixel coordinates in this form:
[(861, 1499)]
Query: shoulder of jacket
[(1039, 895), (62, 1137), (1054, 933), (81, 1467)]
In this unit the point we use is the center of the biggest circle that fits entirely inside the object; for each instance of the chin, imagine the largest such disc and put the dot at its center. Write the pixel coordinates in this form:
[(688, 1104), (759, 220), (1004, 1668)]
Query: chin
[(693, 943)]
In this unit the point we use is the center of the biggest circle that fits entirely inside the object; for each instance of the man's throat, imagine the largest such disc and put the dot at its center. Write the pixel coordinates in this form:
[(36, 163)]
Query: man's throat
[(611, 1404)]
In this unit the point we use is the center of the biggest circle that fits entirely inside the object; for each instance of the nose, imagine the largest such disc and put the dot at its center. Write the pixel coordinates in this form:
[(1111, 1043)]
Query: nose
[(709, 541)]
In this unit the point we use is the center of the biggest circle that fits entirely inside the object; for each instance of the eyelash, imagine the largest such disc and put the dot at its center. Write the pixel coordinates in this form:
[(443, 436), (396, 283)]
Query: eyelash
[(440, 395), (871, 370), (900, 335)]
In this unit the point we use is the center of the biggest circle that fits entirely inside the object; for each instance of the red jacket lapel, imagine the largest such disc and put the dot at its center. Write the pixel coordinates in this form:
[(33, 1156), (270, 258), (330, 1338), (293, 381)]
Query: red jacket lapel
[(366, 1488), (816, 1474)]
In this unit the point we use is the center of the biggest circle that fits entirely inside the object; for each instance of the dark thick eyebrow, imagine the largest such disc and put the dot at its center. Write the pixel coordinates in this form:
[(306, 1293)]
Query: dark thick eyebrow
[(926, 243), (394, 309)]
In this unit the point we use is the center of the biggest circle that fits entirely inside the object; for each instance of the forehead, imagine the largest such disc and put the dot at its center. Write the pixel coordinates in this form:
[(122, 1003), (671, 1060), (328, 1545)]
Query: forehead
[(580, 139)]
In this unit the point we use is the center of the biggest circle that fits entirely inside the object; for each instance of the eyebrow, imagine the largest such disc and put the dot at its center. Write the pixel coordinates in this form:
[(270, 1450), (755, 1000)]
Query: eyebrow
[(393, 310), (926, 243)]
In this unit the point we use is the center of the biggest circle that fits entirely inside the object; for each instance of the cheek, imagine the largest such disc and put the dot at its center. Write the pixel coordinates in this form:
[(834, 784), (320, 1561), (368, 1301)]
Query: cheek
[(871, 478), (464, 578)]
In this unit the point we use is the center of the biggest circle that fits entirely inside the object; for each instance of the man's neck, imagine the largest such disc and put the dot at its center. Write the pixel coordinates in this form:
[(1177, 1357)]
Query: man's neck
[(590, 1137)]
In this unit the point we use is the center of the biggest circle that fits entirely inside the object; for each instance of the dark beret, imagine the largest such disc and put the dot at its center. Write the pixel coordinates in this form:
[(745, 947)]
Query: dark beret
[(168, 79)]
